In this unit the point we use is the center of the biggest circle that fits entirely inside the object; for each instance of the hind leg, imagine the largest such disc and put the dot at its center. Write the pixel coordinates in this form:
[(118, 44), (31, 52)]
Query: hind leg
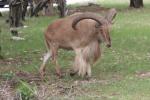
[(55, 62), (42, 68)]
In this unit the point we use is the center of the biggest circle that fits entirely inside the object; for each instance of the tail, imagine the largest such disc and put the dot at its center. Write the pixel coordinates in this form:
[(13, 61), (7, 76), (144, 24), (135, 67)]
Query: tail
[(47, 43)]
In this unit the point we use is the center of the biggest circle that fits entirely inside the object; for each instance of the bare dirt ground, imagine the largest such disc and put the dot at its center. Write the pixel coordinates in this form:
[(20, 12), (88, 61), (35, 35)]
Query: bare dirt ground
[(48, 88)]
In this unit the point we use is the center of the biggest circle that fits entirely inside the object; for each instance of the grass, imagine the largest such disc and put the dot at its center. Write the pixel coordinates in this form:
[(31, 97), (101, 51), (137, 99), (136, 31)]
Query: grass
[(114, 75)]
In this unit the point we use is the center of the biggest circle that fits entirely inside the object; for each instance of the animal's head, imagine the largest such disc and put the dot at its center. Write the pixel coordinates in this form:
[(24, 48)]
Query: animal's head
[(103, 24)]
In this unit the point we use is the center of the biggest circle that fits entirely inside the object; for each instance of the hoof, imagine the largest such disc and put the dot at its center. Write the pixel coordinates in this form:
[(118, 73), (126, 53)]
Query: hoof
[(72, 73), (87, 77), (42, 74), (60, 75)]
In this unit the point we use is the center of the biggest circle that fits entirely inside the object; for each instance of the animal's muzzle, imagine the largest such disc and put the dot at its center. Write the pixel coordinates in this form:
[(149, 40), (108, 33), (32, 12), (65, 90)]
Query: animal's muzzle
[(108, 41)]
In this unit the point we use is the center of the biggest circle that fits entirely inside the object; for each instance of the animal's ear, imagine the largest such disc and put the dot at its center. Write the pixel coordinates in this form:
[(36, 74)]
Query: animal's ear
[(111, 14)]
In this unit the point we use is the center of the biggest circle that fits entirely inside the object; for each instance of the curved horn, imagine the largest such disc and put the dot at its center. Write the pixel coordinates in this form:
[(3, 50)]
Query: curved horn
[(88, 15)]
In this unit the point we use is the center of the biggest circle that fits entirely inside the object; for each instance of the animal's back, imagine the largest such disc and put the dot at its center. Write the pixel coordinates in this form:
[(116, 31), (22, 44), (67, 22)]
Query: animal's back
[(61, 31)]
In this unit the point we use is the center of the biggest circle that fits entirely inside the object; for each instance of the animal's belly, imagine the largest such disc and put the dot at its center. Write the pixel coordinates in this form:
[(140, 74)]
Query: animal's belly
[(66, 47)]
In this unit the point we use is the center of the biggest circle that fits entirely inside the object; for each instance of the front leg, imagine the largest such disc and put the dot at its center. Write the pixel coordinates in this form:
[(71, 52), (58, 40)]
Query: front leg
[(75, 67)]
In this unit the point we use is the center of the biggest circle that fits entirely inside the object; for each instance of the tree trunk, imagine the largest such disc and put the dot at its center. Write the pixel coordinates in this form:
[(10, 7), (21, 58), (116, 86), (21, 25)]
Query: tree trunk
[(39, 6), (62, 7), (136, 3), (24, 9), (1, 57), (0, 14), (15, 16), (49, 9)]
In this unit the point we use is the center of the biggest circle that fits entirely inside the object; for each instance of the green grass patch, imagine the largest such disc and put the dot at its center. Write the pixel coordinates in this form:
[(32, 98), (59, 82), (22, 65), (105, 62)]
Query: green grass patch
[(117, 67)]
